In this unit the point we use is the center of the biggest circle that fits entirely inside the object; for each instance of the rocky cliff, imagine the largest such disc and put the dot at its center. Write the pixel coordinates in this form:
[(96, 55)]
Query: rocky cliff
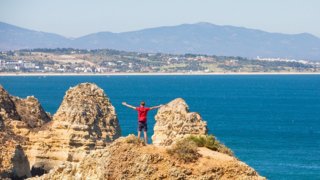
[(87, 107), (85, 121), (174, 121), (127, 159), (31, 111), (8, 109), (28, 110), (18, 117), (81, 141)]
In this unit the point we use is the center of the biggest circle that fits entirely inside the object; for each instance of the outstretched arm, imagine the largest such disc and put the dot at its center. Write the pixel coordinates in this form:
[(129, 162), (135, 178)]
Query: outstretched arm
[(155, 107), (128, 105)]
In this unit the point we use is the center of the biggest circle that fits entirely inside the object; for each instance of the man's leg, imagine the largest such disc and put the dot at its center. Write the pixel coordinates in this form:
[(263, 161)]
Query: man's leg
[(139, 132), (145, 129), (145, 137)]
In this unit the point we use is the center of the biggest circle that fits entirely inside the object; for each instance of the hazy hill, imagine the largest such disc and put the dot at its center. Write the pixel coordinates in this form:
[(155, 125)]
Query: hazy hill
[(200, 38), (13, 37)]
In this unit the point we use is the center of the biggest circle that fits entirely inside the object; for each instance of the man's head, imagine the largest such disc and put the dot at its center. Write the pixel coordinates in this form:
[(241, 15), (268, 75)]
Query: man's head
[(142, 103)]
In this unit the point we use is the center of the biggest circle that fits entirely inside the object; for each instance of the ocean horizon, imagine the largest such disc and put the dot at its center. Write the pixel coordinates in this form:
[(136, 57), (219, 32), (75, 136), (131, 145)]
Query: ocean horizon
[(272, 123)]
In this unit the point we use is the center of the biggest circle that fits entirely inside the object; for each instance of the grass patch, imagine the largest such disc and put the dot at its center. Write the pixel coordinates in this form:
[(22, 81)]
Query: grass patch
[(184, 150), (210, 142)]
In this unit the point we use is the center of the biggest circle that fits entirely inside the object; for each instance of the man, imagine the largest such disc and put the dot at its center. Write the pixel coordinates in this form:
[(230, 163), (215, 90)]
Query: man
[(142, 118)]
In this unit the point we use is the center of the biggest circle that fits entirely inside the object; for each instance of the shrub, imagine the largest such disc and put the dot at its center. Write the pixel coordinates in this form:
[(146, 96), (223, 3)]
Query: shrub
[(132, 139), (210, 142), (199, 140), (184, 150)]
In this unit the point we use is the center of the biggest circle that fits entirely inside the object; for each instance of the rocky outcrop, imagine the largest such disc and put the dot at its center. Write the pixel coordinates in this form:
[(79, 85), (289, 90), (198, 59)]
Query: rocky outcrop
[(14, 162), (30, 111), (17, 118), (126, 159), (85, 121), (174, 121), (81, 141), (7, 107), (87, 107), (27, 110)]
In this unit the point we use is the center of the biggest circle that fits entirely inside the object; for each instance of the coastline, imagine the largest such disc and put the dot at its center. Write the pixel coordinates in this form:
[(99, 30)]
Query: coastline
[(157, 74)]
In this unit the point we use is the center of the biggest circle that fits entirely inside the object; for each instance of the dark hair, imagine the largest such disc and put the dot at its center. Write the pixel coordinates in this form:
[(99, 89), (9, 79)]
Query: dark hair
[(142, 103)]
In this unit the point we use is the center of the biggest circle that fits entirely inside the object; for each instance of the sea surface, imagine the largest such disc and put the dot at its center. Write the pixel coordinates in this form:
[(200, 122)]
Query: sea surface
[(271, 122)]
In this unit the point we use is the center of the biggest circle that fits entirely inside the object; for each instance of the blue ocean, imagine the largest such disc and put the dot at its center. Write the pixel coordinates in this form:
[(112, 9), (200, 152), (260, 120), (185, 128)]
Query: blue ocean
[(271, 122)]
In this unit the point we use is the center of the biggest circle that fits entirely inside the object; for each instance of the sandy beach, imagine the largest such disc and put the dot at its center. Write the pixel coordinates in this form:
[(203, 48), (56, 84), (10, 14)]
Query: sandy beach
[(156, 74)]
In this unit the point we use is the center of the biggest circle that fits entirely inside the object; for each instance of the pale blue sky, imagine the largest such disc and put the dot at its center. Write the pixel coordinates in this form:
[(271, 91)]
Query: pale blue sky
[(74, 18)]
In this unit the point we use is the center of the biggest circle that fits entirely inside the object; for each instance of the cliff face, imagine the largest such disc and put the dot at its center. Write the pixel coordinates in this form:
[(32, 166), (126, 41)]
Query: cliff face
[(14, 162), (174, 121), (31, 111), (87, 107), (81, 141), (127, 159), (14, 129), (27, 110), (8, 109), (85, 121)]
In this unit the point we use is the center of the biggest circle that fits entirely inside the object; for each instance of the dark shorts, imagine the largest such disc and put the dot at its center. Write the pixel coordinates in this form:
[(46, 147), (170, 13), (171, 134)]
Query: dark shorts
[(142, 126)]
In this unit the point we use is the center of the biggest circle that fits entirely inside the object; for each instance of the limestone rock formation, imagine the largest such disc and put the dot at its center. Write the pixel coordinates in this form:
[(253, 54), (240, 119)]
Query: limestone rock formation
[(30, 111), (27, 110), (14, 162), (7, 107), (126, 159), (17, 118), (85, 121), (174, 121), (81, 141), (86, 106)]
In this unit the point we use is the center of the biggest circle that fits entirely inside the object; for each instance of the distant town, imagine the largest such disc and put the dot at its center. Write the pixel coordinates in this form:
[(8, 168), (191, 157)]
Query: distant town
[(68, 60)]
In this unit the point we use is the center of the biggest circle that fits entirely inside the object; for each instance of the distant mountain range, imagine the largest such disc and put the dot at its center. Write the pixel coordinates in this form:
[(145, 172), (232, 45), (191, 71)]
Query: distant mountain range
[(200, 38)]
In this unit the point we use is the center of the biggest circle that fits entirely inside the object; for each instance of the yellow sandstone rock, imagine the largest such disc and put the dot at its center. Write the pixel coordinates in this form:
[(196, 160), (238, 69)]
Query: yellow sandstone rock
[(174, 121), (81, 141)]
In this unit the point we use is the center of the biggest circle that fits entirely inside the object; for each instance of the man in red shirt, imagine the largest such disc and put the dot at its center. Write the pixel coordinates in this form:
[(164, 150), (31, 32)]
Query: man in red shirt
[(142, 118)]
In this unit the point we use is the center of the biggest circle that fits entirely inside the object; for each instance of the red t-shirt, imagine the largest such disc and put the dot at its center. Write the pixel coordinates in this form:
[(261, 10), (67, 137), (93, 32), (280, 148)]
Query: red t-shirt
[(142, 113)]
